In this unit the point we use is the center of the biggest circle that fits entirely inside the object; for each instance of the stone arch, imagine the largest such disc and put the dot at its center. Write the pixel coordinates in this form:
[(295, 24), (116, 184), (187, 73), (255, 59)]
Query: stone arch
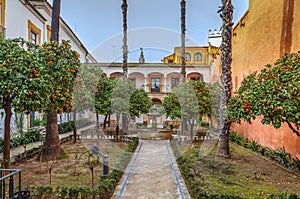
[(194, 76), (117, 75), (156, 101), (138, 79), (173, 80)]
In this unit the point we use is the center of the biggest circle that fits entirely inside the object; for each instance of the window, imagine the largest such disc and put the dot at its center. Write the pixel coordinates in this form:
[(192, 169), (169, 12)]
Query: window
[(198, 57), (170, 61), (175, 82), (155, 85), (33, 37), (187, 57), (34, 33)]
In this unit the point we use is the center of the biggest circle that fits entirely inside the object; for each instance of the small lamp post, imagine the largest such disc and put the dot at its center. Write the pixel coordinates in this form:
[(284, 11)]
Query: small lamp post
[(105, 166)]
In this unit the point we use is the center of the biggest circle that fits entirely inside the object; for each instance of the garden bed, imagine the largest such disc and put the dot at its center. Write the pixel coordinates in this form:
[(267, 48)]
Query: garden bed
[(71, 176), (244, 175)]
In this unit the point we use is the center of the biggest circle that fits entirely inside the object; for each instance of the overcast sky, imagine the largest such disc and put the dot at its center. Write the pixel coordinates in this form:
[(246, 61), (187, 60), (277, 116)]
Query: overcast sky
[(153, 25)]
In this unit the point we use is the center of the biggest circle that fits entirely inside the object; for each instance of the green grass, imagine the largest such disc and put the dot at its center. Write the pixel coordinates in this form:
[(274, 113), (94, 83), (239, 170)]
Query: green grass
[(245, 174)]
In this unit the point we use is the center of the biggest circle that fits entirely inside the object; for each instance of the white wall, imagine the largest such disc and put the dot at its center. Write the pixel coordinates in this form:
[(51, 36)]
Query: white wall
[(16, 20)]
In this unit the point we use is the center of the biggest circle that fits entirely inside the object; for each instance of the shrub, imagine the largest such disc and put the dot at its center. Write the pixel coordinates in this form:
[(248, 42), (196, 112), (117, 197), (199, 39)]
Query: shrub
[(69, 126), (280, 155)]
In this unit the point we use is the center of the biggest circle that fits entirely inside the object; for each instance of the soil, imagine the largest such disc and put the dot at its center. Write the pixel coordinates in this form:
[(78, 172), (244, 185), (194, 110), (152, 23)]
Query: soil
[(73, 169)]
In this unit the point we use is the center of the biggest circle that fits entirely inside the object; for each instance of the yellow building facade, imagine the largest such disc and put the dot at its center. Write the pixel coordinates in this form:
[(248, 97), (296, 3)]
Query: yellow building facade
[(194, 55)]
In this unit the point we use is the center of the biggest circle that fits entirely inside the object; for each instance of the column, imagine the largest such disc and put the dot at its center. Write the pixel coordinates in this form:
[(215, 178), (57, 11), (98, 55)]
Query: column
[(165, 84), (146, 86)]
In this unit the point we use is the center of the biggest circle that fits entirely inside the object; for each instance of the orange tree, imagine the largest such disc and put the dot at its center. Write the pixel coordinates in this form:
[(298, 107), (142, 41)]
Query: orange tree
[(172, 106), (61, 66), (273, 94), (188, 101), (120, 102), (139, 103), (20, 76), (103, 97), (84, 91)]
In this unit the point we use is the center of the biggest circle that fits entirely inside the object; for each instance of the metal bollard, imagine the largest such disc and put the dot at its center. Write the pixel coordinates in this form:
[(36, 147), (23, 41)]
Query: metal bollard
[(105, 165)]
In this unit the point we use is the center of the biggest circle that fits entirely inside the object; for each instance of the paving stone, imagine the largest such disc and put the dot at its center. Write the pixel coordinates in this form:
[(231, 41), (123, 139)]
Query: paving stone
[(152, 175)]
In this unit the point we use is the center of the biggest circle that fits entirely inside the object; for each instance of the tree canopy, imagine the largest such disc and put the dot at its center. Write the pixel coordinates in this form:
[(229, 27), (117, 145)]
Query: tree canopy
[(188, 100), (273, 94), (103, 95), (139, 103)]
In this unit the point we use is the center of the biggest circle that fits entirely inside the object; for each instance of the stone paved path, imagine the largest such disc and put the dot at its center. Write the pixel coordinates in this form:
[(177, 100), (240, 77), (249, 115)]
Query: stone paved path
[(152, 174)]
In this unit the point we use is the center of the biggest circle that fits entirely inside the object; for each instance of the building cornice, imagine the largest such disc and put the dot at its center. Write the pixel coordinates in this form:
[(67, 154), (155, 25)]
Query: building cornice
[(33, 10), (147, 65)]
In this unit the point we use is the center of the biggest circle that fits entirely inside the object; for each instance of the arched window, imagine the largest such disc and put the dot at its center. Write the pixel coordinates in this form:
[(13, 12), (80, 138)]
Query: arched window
[(198, 57), (187, 57)]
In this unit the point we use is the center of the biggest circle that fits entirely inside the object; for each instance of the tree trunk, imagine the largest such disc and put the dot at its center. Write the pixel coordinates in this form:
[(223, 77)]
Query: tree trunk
[(226, 15), (124, 122), (108, 120), (192, 124), (6, 149), (117, 127), (52, 149), (104, 122), (183, 60), (55, 20), (125, 47), (75, 128)]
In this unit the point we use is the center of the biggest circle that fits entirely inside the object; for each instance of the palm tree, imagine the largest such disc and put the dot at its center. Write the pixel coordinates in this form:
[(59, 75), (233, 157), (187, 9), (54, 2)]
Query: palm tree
[(183, 71), (125, 47), (125, 56), (52, 149), (226, 49), (184, 125)]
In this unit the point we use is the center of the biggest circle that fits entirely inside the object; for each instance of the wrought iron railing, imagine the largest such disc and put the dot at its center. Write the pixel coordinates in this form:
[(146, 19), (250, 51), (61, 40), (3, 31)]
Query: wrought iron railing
[(8, 175)]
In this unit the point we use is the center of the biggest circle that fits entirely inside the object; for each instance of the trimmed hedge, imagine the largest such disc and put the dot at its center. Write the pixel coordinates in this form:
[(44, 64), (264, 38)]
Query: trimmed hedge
[(68, 126), (35, 136), (28, 137)]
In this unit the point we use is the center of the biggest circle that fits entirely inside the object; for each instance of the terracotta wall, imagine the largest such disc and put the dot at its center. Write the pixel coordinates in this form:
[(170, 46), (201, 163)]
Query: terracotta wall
[(266, 135), (268, 30)]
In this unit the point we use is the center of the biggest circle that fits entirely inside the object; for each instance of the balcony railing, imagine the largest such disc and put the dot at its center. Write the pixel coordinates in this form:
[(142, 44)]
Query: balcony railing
[(8, 175)]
